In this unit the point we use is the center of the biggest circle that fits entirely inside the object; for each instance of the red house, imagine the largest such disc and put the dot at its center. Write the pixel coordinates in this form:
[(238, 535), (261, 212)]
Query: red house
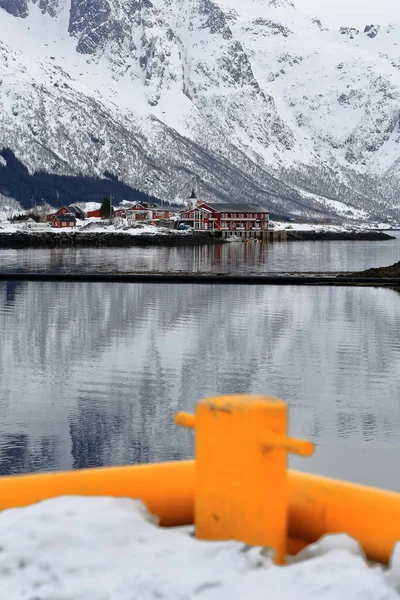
[(61, 212), (75, 211), (244, 220), (94, 213), (63, 221)]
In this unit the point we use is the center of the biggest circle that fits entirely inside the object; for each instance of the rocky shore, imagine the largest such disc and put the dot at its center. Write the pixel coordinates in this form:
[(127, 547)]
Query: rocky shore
[(329, 235), (379, 272), (48, 239)]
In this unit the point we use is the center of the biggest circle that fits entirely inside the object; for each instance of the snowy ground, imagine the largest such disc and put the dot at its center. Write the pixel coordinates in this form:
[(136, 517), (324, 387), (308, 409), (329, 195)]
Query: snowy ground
[(77, 548), (95, 225), (279, 225), (92, 225)]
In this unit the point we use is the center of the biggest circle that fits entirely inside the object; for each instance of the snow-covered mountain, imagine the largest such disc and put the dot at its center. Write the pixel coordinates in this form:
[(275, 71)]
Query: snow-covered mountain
[(246, 99)]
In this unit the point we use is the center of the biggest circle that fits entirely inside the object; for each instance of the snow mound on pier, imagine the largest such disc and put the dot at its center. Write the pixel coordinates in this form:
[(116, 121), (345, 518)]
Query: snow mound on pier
[(80, 548)]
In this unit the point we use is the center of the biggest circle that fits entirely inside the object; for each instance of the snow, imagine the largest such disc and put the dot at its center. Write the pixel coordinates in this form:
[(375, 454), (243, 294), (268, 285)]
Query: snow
[(83, 548), (8, 208), (95, 225), (87, 206), (144, 229), (280, 225), (385, 11)]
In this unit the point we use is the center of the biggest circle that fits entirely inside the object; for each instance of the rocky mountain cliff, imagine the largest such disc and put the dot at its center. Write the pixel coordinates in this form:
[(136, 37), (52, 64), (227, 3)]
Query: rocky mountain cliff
[(245, 99)]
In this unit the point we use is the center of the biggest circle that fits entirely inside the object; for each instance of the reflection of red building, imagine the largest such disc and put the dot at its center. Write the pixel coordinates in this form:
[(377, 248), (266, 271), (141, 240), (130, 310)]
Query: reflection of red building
[(246, 220)]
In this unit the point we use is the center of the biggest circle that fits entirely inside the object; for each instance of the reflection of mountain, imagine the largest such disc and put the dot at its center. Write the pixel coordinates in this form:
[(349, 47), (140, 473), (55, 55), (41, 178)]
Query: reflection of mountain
[(18, 455), (101, 369), (11, 288)]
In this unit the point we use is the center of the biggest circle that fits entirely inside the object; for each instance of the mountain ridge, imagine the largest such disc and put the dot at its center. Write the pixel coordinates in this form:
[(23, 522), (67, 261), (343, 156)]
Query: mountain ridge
[(247, 101)]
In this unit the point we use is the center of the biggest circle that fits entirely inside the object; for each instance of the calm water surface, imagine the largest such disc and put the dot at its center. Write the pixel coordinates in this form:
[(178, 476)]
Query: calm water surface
[(92, 374), (234, 257)]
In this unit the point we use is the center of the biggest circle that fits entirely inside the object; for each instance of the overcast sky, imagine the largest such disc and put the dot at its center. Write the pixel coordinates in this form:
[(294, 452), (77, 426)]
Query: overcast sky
[(379, 10)]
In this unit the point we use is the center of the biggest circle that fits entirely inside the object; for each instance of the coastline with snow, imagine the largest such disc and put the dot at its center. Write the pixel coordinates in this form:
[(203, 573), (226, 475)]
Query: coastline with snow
[(111, 237)]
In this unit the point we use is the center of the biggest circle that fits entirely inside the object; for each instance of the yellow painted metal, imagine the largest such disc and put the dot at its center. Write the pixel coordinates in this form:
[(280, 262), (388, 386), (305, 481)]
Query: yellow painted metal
[(166, 489), (276, 440), (241, 487), (241, 493), (185, 420), (319, 505)]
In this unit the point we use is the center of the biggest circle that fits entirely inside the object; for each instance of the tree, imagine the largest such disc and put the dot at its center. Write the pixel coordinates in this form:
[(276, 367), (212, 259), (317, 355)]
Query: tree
[(105, 208)]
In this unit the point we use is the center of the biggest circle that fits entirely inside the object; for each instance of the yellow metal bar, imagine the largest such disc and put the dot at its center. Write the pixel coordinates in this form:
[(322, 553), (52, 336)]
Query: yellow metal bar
[(185, 420), (240, 485), (317, 505), (166, 489), (275, 440)]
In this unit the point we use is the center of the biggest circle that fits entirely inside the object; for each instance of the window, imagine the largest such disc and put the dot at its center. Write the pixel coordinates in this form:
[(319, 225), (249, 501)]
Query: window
[(64, 224)]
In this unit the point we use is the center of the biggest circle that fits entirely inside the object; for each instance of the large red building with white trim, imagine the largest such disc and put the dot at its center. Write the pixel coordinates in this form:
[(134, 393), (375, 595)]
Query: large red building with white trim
[(244, 220)]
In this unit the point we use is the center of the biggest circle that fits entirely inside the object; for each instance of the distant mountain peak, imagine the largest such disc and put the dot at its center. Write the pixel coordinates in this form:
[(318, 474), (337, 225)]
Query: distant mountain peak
[(248, 98)]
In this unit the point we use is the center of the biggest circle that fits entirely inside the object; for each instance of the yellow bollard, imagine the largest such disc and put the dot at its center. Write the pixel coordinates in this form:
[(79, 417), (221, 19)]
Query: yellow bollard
[(241, 476)]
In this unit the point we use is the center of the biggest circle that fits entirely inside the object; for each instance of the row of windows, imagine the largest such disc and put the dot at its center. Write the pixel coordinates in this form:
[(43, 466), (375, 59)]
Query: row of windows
[(226, 216), (242, 216)]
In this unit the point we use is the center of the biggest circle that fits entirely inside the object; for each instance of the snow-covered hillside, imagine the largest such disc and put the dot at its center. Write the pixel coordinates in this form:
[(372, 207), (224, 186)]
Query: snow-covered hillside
[(8, 207), (246, 99)]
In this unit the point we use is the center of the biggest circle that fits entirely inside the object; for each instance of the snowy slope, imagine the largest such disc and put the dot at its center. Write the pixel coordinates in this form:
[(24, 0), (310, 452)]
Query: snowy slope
[(246, 99), (8, 208)]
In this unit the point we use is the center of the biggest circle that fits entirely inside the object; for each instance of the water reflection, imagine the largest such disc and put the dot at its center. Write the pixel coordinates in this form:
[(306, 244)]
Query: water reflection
[(92, 374), (227, 258), (18, 455)]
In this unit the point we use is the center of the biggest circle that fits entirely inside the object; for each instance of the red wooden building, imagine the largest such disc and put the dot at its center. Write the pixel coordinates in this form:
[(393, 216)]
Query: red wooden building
[(75, 211), (61, 221), (244, 220), (94, 213)]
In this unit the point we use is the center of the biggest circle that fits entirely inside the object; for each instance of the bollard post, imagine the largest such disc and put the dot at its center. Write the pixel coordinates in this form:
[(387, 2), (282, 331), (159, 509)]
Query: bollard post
[(241, 475)]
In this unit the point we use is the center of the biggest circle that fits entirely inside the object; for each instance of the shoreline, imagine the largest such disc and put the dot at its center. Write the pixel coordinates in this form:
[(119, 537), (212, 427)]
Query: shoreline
[(49, 239), (338, 236), (300, 279)]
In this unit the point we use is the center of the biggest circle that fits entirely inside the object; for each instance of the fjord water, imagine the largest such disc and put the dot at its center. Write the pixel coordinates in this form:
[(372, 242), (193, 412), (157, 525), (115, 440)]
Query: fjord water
[(92, 374), (227, 258)]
